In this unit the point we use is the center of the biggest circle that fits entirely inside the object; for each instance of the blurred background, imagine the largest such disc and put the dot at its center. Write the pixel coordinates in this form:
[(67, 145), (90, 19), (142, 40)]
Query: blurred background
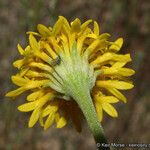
[(127, 19)]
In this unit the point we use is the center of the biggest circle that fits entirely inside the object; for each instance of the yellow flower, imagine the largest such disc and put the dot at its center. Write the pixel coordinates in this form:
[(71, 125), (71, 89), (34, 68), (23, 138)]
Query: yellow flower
[(61, 63)]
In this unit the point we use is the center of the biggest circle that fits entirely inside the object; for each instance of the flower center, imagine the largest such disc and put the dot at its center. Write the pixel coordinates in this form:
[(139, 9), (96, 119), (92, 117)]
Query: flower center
[(73, 73)]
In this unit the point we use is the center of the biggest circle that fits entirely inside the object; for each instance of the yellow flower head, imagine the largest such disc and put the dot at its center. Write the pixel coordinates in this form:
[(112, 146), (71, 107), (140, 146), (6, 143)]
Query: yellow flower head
[(61, 59)]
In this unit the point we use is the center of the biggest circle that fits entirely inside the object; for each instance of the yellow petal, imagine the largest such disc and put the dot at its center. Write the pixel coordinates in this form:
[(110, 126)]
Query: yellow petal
[(44, 57), (41, 120), (109, 109), (50, 51), (107, 99), (99, 111), (115, 84), (33, 33), (102, 58), (105, 36), (57, 26), (57, 117), (20, 49), (72, 41), (126, 72), (49, 121), (85, 32), (28, 51), (118, 64), (41, 66), (65, 23), (96, 28), (34, 117), (56, 46), (60, 121), (16, 92), (44, 99), (23, 71), (117, 44), (80, 42), (18, 63), (35, 84), (43, 30), (93, 46), (110, 71), (33, 74), (119, 71), (29, 85), (85, 24), (92, 35), (51, 108), (121, 58), (66, 46), (75, 25), (18, 80), (33, 43), (27, 106), (118, 94), (35, 95), (111, 56)]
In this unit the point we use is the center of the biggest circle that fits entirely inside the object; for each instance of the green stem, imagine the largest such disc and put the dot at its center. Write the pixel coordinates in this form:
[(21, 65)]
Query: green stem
[(85, 103), (78, 79)]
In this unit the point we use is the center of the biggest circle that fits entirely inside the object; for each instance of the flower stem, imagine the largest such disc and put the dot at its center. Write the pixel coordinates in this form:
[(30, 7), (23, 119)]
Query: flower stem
[(78, 79), (85, 103)]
